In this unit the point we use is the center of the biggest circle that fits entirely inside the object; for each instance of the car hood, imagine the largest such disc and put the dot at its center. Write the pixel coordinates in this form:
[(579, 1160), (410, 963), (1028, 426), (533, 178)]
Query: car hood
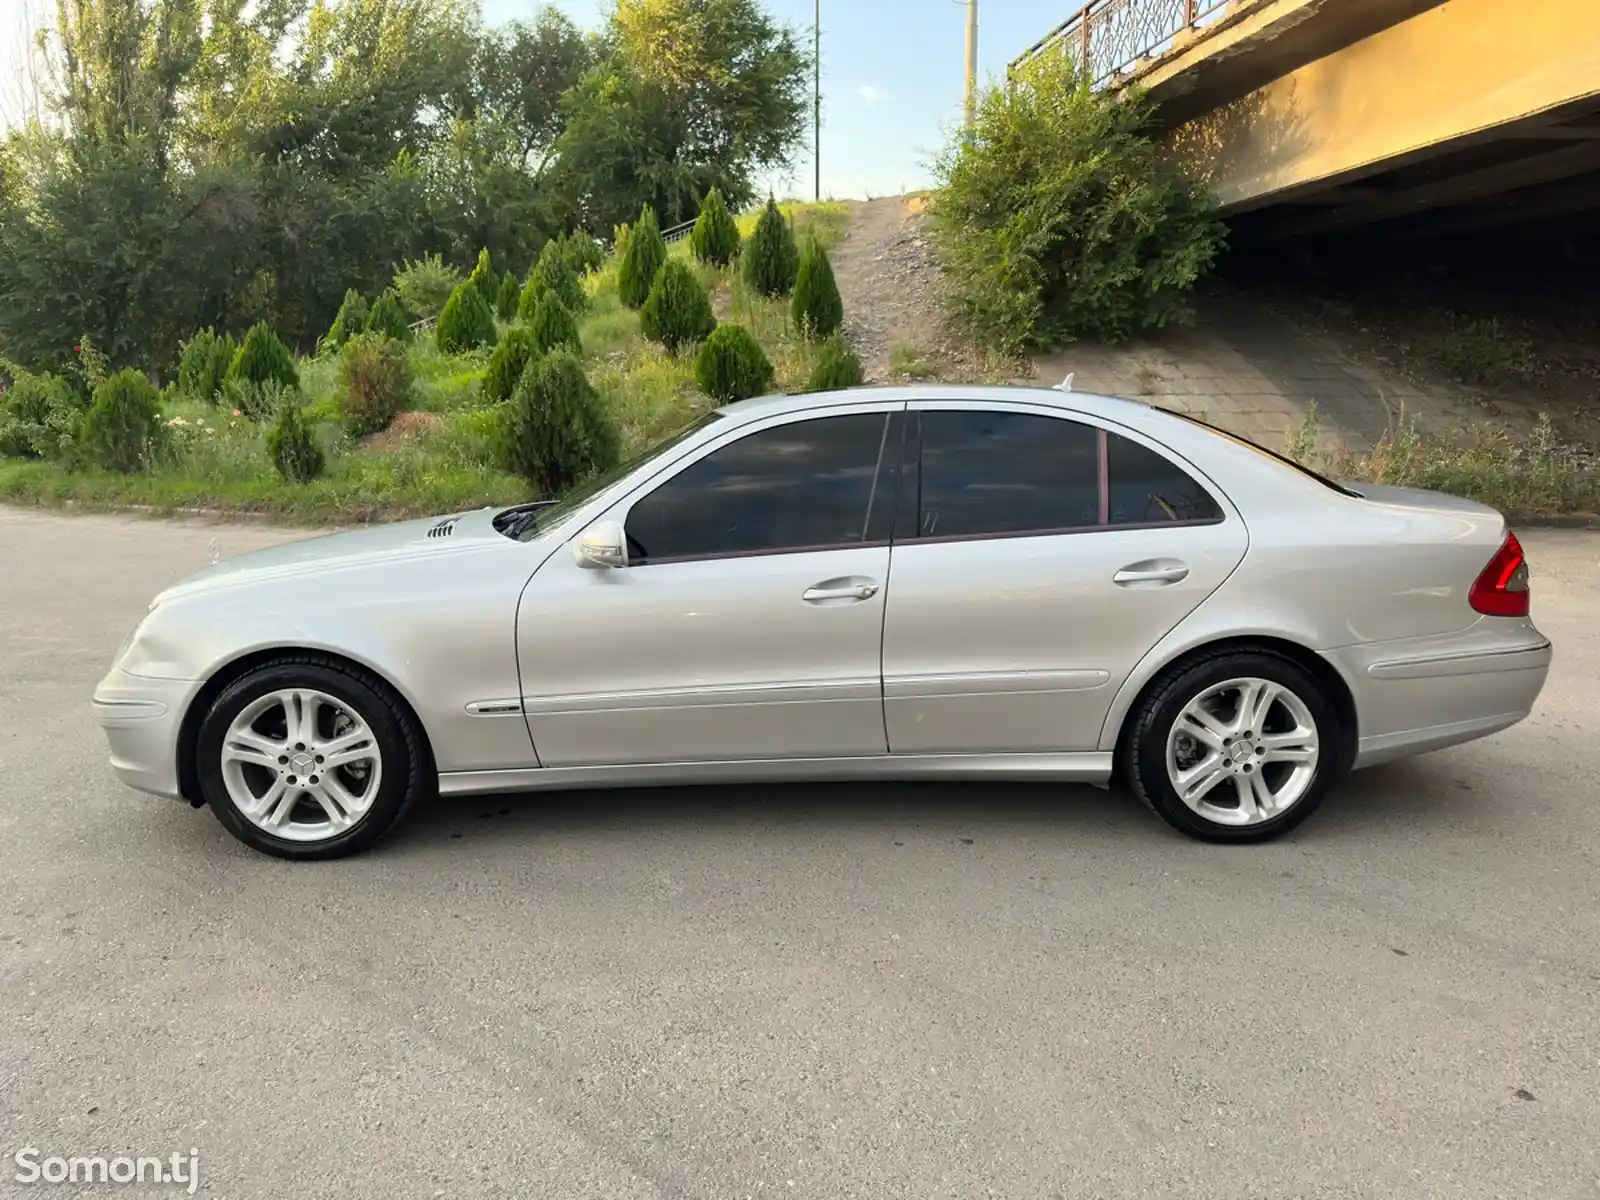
[(430, 537)]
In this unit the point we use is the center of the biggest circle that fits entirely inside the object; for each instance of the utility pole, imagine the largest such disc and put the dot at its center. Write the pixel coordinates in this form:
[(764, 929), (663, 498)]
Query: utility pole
[(971, 107), (816, 99)]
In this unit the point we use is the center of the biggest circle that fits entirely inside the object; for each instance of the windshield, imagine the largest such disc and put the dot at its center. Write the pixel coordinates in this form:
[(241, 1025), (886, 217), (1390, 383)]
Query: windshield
[(550, 514), (1273, 454)]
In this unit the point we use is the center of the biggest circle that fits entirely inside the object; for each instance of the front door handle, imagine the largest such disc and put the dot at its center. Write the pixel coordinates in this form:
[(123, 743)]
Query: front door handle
[(840, 589), (1155, 573)]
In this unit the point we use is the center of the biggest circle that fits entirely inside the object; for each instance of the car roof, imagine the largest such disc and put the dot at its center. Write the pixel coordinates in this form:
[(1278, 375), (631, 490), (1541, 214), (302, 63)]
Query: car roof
[(1111, 407)]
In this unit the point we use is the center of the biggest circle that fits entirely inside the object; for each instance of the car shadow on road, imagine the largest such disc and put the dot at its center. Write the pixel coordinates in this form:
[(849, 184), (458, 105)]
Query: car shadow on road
[(1406, 795)]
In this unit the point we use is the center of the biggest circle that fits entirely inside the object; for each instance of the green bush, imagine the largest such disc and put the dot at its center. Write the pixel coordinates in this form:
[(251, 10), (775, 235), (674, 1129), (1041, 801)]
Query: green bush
[(645, 254), (678, 311), (770, 259), (352, 319), (388, 318), (732, 366), (203, 365), (263, 357), (505, 300), (818, 311), (582, 252), (1477, 352), (123, 429), (555, 430), (553, 325), (39, 417), (466, 322), (290, 444), (715, 238), (424, 286), (836, 367), (552, 273), (1061, 216), (506, 365), (483, 278), (374, 382)]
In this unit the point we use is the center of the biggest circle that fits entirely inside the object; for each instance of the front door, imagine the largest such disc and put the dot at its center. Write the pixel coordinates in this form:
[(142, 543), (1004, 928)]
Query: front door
[(748, 622), (1038, 558)]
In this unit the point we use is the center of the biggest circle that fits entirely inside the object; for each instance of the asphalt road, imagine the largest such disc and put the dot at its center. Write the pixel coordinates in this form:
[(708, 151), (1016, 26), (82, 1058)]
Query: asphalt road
[(917, 991)]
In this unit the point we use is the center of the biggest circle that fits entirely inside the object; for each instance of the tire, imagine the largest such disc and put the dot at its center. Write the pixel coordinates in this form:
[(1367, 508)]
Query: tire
[(1162, 739), (247, 746)]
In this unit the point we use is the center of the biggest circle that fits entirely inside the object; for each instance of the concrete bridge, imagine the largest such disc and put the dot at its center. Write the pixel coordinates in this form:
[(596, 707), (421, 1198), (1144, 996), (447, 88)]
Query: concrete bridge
[(1439, 116)]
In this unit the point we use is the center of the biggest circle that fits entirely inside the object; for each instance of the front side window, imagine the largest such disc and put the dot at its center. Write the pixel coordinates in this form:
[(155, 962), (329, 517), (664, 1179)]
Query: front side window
[(986, 473), (804, 485)]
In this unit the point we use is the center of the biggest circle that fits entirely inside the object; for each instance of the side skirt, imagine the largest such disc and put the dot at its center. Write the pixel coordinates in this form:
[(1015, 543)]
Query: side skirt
[(1091, 767)]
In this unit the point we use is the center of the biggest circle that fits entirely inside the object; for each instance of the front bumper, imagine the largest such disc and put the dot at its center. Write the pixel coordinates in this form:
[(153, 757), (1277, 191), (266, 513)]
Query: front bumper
[(141, 718)]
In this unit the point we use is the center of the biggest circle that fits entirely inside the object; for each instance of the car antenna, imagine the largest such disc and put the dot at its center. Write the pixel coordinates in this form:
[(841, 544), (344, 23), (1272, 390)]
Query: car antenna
[(1066, 384)]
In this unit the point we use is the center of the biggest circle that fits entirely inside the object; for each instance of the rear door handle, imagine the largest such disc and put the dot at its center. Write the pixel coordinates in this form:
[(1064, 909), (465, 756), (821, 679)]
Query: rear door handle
[(840, 589), (1156, 572)]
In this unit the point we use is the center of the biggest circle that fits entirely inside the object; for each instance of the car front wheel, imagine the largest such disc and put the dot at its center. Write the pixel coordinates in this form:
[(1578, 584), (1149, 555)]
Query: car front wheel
[(306, 758), (1240, 746)]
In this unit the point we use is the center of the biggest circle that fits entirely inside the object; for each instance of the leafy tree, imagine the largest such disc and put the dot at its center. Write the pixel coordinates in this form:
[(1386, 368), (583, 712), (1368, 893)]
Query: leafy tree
[(642, 259), (553, 325), (123, 429), (506, 365), (425, 286), (771, 260), (1062, 217), (352, 319), (555, 430), (39, 417), (818, 310), (715, 238), (291, 445), (262, 357), (582, 253), (732, 366), (388, 318), (466, 322), (678, 311), (696, 94)]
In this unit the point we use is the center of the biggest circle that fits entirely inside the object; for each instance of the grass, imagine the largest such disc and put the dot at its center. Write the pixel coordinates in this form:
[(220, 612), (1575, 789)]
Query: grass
[(217, 461), (1526, 479), (908, 362)]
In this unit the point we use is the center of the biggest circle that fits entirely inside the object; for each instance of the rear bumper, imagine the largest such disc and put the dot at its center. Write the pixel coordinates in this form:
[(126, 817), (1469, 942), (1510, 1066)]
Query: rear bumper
[(141, 718), (1420, 696)]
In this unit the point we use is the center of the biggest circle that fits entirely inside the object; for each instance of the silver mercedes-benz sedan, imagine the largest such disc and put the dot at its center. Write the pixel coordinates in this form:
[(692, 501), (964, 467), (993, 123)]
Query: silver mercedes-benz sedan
[(887, 583)]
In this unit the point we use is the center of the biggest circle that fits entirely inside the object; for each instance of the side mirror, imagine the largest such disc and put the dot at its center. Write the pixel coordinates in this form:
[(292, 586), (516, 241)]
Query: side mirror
[(601, 545)]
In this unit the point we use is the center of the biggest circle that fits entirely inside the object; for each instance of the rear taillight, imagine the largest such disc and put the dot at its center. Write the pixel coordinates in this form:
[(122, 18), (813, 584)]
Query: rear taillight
[(1501, 590)]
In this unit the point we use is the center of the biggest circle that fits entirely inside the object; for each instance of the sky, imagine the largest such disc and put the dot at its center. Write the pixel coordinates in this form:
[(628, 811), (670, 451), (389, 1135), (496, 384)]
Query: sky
[(892, 77)]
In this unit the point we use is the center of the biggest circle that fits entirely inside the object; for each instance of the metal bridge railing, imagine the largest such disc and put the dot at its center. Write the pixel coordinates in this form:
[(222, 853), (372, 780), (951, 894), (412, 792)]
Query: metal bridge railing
[(1108, 36)]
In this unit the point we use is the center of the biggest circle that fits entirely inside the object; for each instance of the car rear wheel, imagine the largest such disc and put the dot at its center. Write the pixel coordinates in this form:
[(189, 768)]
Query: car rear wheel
[(305, 758), (1237, 747)]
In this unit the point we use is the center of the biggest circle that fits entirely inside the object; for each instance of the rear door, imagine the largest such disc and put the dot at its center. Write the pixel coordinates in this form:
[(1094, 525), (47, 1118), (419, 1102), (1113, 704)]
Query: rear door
[(1038, 555)]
